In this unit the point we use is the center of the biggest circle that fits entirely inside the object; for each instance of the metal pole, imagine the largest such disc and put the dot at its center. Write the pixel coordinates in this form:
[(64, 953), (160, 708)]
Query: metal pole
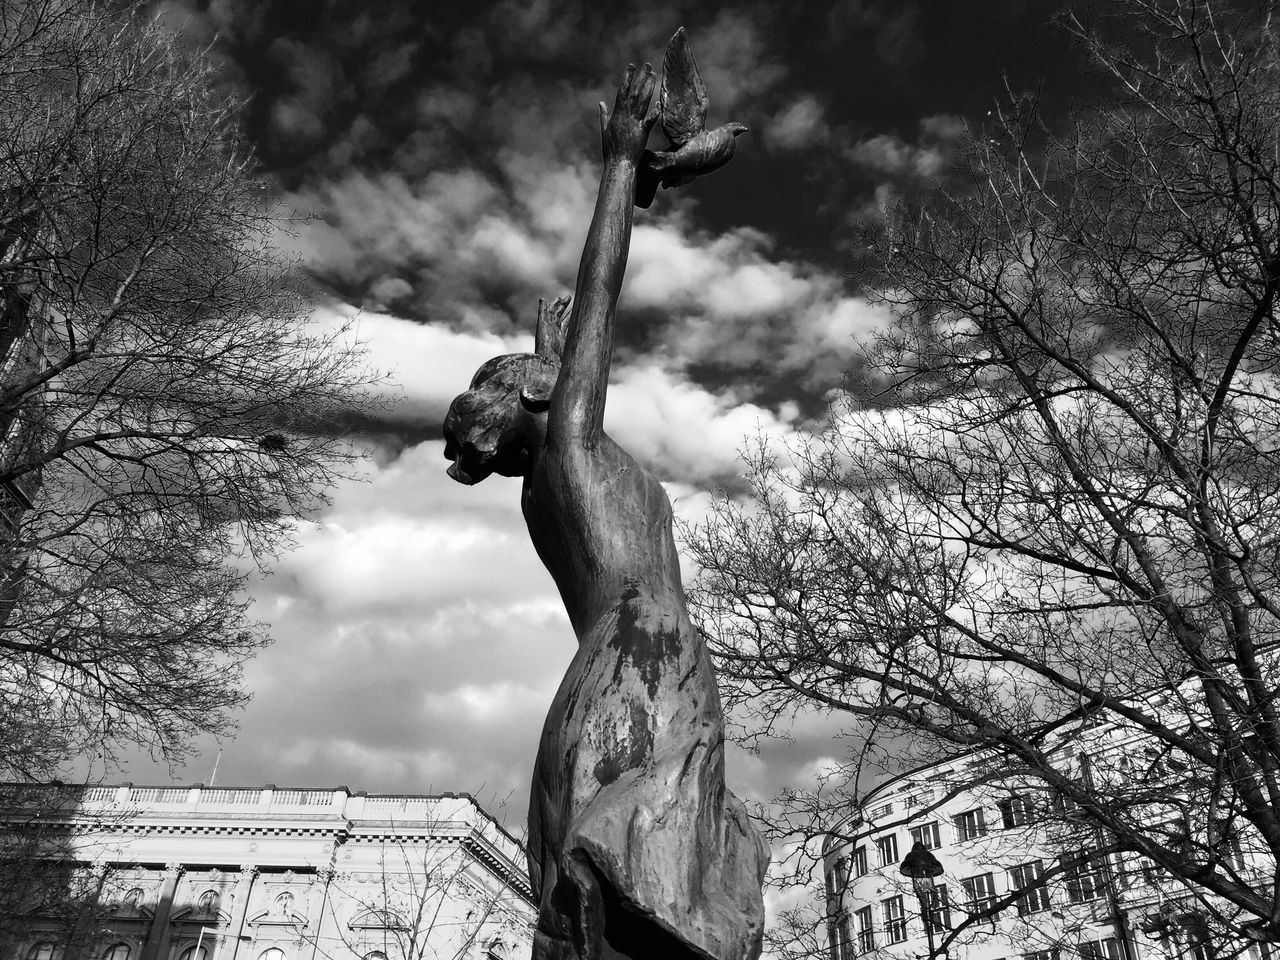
[(924, 916)]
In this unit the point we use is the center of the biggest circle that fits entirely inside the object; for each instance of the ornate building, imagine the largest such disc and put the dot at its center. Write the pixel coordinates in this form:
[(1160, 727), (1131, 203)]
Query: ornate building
[(1015, 873), (196, 873)]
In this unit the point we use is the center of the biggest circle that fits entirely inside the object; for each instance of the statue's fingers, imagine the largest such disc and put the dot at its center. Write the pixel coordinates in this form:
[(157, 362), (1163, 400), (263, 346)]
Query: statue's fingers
[(645, 89), (624, 90), (650, 118)]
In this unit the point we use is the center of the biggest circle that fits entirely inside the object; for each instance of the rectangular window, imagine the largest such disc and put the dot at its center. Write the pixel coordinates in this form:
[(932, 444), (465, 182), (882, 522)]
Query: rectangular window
[(866, 934), (927, 833), (1041, 955), (1107, 949), (1014, 812), (882, 811), (1025, 877), (895, 920), (938, 912), (1084, 880), (1066, 807), (859, 861), (887, 850), (970, 824), (979, 891)]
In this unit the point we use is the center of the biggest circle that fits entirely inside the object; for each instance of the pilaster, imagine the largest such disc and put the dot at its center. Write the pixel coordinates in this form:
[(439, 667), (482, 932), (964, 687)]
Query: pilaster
[(157, 945)]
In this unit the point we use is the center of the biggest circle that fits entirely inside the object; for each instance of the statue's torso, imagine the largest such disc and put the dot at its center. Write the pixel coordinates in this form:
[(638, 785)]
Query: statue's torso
[(601, 525)]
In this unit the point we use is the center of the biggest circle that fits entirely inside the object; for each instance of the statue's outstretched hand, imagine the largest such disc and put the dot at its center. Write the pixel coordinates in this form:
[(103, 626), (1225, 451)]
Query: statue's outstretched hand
[(625, 132)]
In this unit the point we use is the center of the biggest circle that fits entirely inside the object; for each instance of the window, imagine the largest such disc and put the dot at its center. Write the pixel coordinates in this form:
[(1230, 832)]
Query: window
[(1066, 807), (1041, 955), (1014, 812), (866, 935), (271, 953), (837, 881), (195, 953), (895, 920), (1108, 949), (119, 951), (1084, 879), (970, 825), (837, 884), (44, 950), (938, 908), (979, 891), (887, 850), (881, 811), (375, 955), (1025, 877), (859, 861), (926, 833), (133, 899), (209, 902)]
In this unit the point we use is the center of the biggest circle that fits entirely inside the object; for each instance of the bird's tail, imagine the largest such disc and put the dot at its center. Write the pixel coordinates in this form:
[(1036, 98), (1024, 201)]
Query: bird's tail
[(647, 180)]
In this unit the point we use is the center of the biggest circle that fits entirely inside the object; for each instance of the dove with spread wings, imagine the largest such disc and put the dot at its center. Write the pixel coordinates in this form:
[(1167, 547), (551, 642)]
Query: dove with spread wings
[(694, 150)]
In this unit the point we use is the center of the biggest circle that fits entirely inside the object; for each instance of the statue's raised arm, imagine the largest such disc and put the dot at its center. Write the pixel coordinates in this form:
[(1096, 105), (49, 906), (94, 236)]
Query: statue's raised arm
[(636, 849), (577, 413)]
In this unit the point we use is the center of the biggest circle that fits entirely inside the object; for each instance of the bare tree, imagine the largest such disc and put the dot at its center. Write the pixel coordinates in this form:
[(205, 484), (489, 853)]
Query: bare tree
[(424, 901), (166, 412), (1062, 505)]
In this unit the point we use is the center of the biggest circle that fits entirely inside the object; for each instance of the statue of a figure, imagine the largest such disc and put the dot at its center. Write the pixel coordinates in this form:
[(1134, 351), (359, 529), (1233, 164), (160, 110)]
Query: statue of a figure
[(636, 849)]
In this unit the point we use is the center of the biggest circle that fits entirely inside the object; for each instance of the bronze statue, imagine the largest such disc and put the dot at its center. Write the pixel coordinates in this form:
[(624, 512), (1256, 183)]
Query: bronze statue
[(636, 849)]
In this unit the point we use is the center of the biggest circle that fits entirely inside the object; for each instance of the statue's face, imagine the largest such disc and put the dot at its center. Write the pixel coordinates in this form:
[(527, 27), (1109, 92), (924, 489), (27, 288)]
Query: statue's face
[(493, 429)]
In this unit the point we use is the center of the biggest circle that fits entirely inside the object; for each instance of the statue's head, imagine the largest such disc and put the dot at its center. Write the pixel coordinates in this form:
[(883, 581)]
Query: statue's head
[(498, 424)]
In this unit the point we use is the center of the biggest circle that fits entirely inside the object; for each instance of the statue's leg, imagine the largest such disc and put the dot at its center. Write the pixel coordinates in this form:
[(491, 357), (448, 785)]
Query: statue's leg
[(571, 919)]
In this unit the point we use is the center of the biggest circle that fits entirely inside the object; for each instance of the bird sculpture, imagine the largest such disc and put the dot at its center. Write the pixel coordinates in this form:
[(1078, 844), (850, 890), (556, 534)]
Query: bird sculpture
[(694, 150)]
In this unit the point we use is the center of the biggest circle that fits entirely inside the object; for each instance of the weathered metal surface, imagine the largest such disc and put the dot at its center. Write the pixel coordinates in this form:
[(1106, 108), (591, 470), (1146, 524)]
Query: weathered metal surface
[(636, 849)]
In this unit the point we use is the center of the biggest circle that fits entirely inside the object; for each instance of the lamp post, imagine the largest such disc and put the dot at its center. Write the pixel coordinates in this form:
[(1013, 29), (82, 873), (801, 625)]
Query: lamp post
[(922, 866)]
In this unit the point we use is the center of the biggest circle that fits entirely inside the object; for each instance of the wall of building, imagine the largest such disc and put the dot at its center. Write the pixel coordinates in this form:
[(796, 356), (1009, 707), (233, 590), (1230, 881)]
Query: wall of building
[(192, 873), (989, 833)]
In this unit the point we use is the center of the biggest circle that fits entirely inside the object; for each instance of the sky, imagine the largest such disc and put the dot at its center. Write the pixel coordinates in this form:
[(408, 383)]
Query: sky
[(447, 155)]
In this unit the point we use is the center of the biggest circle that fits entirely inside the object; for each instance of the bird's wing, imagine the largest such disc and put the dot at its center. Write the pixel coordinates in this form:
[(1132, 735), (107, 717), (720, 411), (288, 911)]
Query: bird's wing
[(684, 96)]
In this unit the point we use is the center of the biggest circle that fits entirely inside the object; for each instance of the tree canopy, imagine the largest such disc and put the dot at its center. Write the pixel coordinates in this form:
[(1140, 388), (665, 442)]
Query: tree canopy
[(166, 412), (1056, 493)]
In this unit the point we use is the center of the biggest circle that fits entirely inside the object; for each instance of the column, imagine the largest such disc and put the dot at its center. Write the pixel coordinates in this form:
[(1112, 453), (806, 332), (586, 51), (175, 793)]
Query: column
[(244, 887), (158, 935)]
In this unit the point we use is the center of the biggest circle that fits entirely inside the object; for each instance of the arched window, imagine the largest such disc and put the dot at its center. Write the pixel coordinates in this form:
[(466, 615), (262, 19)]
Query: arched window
[(119, 951), (209, 902), (375, 955), (195, 953), (44, 950), (497, 951), (133, 899), (271, 953)]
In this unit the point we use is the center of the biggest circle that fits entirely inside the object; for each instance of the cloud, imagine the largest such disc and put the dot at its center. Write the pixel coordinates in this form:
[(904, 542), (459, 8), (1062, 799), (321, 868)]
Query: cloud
[(733, 307), (798, 125), (886, 153), (940, 137), (680, 430), (944, 126)]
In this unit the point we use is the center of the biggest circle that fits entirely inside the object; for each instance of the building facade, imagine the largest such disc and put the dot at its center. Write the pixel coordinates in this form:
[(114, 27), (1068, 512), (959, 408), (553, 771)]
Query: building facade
[(196, 873), (1018, 877)]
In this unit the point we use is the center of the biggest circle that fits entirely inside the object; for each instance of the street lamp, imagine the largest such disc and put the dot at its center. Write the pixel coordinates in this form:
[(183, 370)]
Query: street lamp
[(922, 866)]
